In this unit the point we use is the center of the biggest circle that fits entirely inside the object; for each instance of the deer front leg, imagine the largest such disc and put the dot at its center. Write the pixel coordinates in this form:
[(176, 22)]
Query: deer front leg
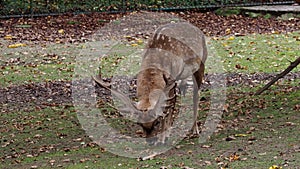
[(166, 129), (162, 136)]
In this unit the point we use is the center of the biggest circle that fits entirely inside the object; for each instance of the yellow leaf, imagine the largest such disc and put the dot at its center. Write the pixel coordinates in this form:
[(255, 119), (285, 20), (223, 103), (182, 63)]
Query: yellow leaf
[(139, 41), (234, 157), (16, 45), (227, 31), (134, 44), (61, 31), (275, 32), (240, 135), (275, 167), (8, 37), (231, 38), (215, 38)]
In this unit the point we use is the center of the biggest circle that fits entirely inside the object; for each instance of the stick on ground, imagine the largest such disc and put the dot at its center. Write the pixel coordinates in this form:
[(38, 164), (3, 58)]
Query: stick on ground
[(286, 71)]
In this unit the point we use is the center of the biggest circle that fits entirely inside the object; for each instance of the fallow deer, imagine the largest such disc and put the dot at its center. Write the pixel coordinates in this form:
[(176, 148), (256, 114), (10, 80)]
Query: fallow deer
[(174, 53)]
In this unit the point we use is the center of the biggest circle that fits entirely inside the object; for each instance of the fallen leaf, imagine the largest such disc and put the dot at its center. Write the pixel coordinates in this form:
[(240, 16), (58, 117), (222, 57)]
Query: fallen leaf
[(234, 157), (230, 138), (275, 167), (16, 45), (8, 37), (252, 138), (262, 154), (206, 146), (66, 160), (139, 41), (207, 162), (61, 31), (227, 31), (231, 38), (240, 135)]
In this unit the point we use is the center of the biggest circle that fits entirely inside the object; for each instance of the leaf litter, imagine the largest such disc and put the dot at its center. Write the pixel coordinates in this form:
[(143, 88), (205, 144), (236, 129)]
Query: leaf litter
[(75, 29)]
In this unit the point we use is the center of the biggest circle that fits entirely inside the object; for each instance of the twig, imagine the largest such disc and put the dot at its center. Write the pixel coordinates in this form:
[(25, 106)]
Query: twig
[(286, 71), (150, 157)]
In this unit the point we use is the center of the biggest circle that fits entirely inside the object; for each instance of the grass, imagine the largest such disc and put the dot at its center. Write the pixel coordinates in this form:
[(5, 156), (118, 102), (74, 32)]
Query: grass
[(258, 53), (246, 54), (55, 134), (37, 63), (38, 73), (52, 137)]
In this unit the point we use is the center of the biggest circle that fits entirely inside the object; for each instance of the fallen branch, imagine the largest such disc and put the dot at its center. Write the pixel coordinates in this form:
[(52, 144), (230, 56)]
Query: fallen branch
[(286, 71)]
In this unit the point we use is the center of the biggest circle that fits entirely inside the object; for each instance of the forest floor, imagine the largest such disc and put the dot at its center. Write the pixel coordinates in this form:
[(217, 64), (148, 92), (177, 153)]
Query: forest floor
[(39, 127)]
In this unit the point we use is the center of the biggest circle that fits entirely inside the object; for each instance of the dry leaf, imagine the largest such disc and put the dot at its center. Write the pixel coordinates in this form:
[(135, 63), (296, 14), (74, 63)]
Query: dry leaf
[(234, 157), (240, 135), (16, 45), (8, 37), (275, 167), (231, 38), (139, 41), (227, 31), (61, 31)]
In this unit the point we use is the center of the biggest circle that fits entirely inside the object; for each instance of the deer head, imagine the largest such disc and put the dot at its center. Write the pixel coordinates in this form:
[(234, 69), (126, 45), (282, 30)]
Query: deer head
[(152, 91), (153, 87)]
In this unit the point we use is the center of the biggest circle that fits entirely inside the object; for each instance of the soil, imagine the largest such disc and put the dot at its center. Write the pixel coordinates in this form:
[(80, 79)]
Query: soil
[(56, 93)]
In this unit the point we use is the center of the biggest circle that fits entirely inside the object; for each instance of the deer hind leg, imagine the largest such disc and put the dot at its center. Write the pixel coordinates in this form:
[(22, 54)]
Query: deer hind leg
[(197, 81), (195, 129), (183, 87)]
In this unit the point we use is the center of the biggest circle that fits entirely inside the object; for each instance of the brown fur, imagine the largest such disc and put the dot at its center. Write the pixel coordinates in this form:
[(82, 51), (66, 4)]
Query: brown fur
[(167, 56), (149, 81)]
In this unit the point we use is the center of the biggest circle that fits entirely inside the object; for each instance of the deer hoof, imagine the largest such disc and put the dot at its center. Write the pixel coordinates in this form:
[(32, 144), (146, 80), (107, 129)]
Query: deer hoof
[(195, 130), (151, 140)]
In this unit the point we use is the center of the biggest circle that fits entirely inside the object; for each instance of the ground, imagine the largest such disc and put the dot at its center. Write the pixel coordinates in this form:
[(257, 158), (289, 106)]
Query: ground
[(39, 127)]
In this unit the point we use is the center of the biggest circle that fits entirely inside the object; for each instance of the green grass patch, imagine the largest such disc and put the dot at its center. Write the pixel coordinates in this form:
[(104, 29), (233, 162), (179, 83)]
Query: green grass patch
[(52, 137), (246, 54), (38, 73), (258, 53), (122, 59)]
